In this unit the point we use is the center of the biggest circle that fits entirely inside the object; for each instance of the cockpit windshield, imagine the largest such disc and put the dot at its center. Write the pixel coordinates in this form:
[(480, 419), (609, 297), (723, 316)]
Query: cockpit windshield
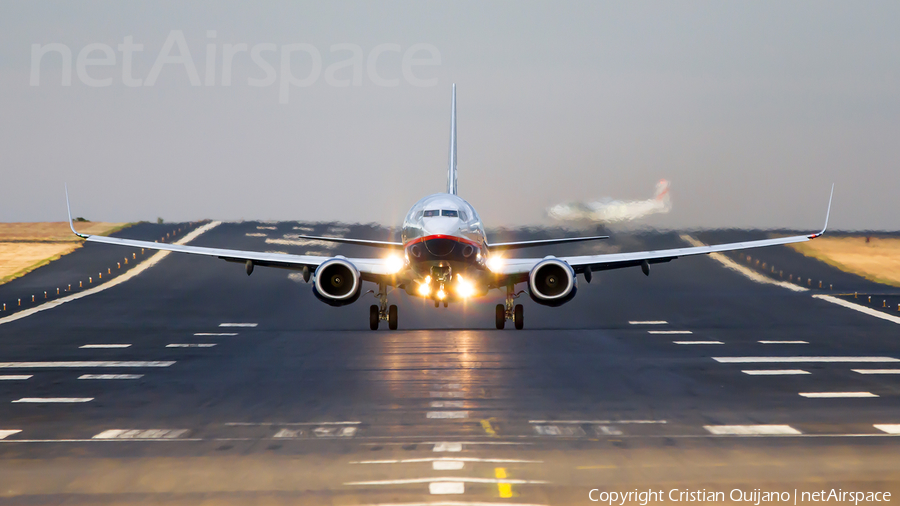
[(452, 214), (449, 213), (432, 212)]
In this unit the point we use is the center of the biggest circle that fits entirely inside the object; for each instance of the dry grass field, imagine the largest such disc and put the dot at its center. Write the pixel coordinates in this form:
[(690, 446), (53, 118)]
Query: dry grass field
[(27, 246), (878, 260)]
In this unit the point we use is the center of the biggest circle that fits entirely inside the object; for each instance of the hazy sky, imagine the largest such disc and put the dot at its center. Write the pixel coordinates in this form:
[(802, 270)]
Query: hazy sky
[(750, 109)]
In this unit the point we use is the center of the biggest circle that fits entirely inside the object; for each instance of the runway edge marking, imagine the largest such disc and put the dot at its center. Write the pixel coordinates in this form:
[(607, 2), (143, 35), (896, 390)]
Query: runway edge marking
[(857, 307), (143, 266), (731, 264)]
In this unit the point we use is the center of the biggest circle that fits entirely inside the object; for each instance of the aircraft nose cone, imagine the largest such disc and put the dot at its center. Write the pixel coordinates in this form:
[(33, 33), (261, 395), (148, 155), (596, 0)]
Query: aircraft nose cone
[(441, 226)]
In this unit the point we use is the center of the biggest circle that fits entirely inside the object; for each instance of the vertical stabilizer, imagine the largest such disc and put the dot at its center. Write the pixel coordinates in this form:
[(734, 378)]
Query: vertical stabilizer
[(451, 169)]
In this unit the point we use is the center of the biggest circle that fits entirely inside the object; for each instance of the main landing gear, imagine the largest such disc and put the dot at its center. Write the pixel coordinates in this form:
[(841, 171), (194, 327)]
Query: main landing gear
[(509, 312), (382, 311)]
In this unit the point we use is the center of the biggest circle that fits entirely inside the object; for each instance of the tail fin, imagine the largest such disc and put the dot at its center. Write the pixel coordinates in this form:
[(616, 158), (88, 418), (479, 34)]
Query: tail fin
[(451, 169), (662, 190)]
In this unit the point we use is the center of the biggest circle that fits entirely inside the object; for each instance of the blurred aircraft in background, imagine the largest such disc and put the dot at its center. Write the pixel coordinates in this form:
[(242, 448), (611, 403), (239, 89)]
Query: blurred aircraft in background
[(612, 211)]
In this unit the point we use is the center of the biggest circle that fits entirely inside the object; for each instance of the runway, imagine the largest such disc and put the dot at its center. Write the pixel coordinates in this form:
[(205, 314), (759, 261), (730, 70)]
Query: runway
[(194, 383)]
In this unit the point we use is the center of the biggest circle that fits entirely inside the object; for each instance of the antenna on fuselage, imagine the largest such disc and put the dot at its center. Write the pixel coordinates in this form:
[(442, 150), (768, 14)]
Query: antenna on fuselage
[(451, 169)]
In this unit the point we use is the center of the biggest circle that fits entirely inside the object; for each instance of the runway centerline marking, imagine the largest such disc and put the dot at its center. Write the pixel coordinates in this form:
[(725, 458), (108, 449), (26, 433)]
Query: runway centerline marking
[(775, 360), (38, 400), (664, 332), (238, 324), (836, 395), (139, 268), (190, 345), (890, 428), (249, 424), (774, 372), (447, 404), (102, 346), (856, 307), (83, 364), (15, 377), (9, 432), (742, 430), (110, 376), (215, 333), (697, 342), (649, 322), (876, 371), (441, 395), (782, 342)]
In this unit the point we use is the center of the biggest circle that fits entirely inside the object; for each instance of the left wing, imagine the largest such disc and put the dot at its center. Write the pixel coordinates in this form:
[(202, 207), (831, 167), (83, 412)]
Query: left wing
[(370, 269), (517, 269)]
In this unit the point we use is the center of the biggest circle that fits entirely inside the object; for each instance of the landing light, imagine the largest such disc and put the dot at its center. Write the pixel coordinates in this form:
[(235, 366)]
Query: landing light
[(464, 288), (495, 263), (440, 294), (424, 290), (394, 264)]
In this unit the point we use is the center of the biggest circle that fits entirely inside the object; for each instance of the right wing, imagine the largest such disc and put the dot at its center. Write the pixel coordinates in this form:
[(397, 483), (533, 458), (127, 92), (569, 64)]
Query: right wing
[(371, 269)]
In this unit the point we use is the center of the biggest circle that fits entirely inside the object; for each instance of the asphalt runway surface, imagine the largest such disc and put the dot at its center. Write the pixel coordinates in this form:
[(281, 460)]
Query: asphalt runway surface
[(247, 390)]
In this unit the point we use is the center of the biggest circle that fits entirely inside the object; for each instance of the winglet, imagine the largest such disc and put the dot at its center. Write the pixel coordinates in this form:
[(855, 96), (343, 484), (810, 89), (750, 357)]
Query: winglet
[(69, 209), (827, 214)]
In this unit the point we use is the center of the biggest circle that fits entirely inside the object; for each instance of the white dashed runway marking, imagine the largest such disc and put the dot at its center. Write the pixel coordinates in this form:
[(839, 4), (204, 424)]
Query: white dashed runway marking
[(649, 322), (15, 377), (447, 414), (782, 342), (775, 372), (5, 433), (449, 459), (775, 360), (110, 376), (748, 430), (447, 447), (82, 365), (836, 395), (141, 434), (697, 342), (238, 324), (440, 395), (449, 487), (876, 371), (215, 333), (890, 428), (447, 404), (103, 346), (38, 400), (447, 465), (669, 332), (604, 422), (190, 345)]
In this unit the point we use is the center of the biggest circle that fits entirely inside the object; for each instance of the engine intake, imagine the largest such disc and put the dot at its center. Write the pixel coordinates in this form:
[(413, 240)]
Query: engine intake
[(552, 282), (337, 282)]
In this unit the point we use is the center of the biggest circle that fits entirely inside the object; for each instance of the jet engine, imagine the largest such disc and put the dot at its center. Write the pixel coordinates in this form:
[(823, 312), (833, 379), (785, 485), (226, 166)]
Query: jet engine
[(337, 282), (552, 282)]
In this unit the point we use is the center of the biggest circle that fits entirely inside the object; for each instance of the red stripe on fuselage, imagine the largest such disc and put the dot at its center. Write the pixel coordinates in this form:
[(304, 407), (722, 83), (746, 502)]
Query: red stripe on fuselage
[(451, 237)]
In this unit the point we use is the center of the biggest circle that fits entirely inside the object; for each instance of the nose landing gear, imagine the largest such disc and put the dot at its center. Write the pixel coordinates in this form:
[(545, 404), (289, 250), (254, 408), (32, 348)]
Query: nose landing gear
[(382, 311), (516, 312)]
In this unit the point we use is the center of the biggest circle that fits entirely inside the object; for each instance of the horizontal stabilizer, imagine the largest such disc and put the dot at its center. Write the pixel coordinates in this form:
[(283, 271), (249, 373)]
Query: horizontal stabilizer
[(543, 242)]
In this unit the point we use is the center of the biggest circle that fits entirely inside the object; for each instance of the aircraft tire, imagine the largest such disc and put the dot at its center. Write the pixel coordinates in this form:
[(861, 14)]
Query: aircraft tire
[(519, 317), (500, 316), (373, 317), (392, 317)]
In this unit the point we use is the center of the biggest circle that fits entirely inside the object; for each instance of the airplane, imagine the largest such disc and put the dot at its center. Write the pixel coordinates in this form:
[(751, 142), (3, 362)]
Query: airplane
[(611, 211), (444, 255)]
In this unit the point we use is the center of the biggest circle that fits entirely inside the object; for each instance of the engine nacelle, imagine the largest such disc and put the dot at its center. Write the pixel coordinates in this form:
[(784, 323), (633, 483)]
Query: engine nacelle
[(552, 282), (337, 282)]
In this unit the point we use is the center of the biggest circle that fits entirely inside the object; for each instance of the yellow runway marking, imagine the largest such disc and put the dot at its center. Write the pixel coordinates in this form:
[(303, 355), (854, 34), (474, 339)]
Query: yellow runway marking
[(486, 425), (505, 489)]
